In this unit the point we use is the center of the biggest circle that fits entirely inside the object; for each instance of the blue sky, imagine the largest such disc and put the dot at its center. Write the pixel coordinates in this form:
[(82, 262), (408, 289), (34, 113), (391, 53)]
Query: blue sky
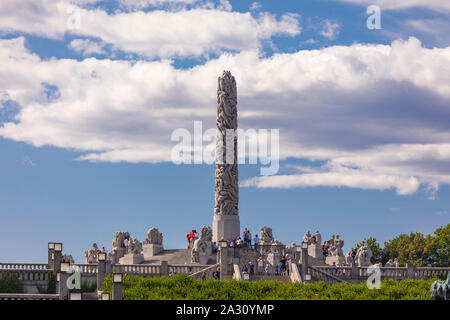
[(86, 116)]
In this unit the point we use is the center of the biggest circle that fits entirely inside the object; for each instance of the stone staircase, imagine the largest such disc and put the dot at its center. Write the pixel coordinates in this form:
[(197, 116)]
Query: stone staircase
[(320, 275), (176, 256)]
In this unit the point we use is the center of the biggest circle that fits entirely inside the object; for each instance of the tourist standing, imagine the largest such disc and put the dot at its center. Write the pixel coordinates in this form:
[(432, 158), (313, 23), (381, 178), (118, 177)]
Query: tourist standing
[(288, 265), (260, 265), (188, 237), (283, 265), (256, 241), (191, 239), (245, 236)]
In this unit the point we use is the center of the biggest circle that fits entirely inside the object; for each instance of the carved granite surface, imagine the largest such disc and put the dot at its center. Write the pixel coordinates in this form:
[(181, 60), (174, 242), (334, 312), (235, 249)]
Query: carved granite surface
[(154, 237), (227, 187)]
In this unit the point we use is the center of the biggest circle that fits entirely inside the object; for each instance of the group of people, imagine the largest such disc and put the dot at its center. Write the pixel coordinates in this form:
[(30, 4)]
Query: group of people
[(191, 237), (282, 268), (245, 242)]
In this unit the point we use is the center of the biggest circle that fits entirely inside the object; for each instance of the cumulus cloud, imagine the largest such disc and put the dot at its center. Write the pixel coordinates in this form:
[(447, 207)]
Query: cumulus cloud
[(154, 34), (403, 4), (87, 47), (376, 116)]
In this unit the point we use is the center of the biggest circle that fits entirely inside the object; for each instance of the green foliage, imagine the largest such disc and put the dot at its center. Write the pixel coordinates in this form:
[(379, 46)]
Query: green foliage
[(10, 284), (441, 246), (374, 246), (51, 288), (414, 248), (182, 287)]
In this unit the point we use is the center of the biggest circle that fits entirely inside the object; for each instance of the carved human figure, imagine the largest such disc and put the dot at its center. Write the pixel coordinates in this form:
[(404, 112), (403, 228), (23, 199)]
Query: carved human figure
[(227, 187), (363, 256), (266, 236), (307, 237), (317, 238), (154, 237), (206, 233)]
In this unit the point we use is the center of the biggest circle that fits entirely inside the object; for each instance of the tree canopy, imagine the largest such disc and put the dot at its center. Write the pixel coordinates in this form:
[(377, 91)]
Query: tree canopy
[(415, 248)]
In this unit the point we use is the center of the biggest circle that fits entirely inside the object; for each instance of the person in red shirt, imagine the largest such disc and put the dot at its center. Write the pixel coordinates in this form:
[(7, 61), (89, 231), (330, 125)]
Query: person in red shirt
[(191, 237)]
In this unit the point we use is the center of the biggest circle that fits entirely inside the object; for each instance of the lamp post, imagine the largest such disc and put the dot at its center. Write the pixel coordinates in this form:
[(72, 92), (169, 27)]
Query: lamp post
[(117, 286), (101, 269)]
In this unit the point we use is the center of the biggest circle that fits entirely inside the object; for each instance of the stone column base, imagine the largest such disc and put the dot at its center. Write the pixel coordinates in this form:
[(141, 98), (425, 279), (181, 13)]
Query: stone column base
[(150, 249), (336, 259), (226, 226), (315, 251)]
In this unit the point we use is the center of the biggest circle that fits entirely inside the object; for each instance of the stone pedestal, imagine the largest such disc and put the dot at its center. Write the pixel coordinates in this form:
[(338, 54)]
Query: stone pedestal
[(132, 258), (225, 226), (315, 251), (338, 260), (150, 249), (203, 259)]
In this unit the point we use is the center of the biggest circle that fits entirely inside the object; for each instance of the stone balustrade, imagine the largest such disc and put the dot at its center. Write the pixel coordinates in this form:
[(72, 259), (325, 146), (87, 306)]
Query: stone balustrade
[(429, 272), (26, 296), (356, 274), (26, 275), (89, 268), (24, 266), (344, 273), (137, 269), (184, 268)]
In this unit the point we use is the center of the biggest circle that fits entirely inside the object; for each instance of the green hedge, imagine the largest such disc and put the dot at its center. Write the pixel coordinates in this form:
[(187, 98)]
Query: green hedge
[(10, 284), (182, 287)]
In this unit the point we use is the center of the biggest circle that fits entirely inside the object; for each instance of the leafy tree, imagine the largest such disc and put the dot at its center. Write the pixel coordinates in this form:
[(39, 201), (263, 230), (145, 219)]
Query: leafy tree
[(414, 248), (441, 247), (372, 243)]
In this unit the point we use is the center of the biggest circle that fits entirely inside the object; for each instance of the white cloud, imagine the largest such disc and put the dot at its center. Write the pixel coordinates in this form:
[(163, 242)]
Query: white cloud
[(352, 179), (329, 29), (255, 6), (87, 47), (165, 34), (377, 116), (403, 4)]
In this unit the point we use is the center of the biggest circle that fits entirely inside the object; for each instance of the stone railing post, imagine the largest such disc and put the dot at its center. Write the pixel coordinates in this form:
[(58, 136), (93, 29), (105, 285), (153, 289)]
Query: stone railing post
[(63, 291), (117, 286), (354, 272), (164, 271), (101, 273), (410, 271), (223, 259), (51, 251), (109, 267), (304, 266), (57, 261)]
